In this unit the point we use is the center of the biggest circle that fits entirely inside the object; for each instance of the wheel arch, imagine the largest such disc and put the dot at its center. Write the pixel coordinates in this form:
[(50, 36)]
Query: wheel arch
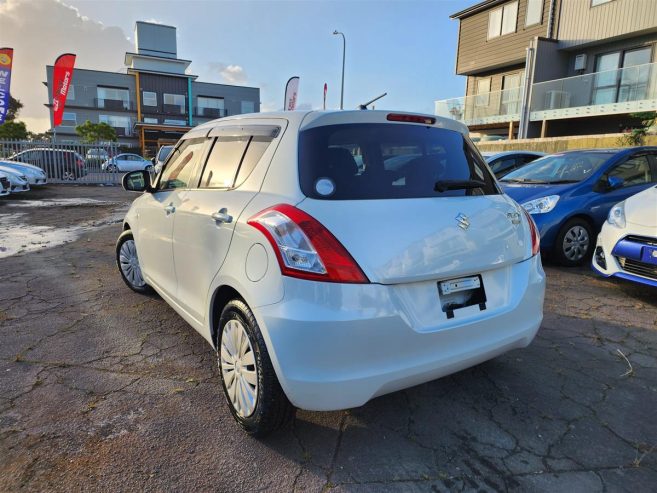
[(220, 298)]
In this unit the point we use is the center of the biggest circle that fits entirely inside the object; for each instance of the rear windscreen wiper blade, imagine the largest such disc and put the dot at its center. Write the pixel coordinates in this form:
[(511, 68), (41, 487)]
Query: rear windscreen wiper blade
[(557, 182), (522, 180), (444, 185)]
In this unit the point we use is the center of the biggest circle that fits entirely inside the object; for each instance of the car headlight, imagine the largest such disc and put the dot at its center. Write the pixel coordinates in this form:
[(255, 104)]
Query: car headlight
[(542, 205), (617, 215)]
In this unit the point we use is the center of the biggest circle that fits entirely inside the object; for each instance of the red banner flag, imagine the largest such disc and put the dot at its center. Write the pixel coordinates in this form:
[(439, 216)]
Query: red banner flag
[(61, 81)]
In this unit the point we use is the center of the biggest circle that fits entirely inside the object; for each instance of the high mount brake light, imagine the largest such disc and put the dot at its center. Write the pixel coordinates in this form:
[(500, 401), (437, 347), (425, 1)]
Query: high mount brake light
[(400, 117), (536, 237), (305, 248)]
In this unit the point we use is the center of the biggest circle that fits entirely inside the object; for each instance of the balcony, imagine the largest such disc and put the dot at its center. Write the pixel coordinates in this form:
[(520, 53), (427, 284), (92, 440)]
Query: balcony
[(114, 104), (620, 91), (483, 109), (626, 90)]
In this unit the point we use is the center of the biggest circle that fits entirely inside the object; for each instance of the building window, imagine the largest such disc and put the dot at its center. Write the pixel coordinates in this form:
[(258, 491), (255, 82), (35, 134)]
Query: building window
[(503, 20), (248, 107), (149, 98), (511, 89), (69, 119), (120, 123), (175, 100), (174, 122), (534, 12), (483, 92), (70, 96), (211, 107), (150, 120), (595, 3), (112, 98)]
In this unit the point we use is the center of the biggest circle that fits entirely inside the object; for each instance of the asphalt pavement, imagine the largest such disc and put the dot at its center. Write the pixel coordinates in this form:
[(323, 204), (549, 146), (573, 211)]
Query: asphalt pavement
[(102, 389)]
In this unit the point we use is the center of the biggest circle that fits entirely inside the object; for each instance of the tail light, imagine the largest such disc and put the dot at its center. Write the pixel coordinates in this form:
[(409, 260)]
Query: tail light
[(305, 248), (533, 230), (400, 117)]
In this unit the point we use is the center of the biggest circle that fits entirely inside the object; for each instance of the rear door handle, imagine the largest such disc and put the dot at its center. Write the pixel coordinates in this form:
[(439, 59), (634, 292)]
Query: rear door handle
[(170, 209), (222, 216)]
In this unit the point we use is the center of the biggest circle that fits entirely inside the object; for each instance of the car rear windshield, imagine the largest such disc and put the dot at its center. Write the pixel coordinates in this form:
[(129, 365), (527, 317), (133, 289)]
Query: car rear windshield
[(388, 160), (560, 168)]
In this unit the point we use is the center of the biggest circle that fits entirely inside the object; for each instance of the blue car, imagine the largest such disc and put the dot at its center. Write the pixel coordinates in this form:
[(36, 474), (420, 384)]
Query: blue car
[(569, 194)]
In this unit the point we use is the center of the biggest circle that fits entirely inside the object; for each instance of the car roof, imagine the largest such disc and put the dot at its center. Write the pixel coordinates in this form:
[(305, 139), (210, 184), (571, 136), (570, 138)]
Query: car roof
[(310, 118)]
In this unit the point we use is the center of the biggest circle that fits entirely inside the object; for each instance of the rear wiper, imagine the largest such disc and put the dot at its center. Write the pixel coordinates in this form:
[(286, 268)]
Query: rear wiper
[(556, 182), (444, 185), (522, 180)]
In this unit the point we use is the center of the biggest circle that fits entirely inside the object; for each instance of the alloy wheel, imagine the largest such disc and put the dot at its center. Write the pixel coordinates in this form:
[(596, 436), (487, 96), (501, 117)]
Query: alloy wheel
[(238, 368), (129, 263), (68, 176), (576, 243)]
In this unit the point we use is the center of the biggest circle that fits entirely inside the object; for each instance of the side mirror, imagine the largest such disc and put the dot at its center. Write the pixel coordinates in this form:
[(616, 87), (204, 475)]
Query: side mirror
[(614, 182), (137, 181)]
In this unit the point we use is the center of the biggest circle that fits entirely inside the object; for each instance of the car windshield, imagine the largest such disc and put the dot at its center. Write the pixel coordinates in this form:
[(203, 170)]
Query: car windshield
[(387, 161), (559, 168)]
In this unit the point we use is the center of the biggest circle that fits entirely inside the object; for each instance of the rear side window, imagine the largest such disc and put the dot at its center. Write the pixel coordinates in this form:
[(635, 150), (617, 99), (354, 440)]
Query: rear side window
[(384, 160), (223, 162)]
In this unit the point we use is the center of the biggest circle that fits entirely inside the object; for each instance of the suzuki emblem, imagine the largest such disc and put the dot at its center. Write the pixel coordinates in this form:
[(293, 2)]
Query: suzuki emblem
[(654, 253), (463, 221)]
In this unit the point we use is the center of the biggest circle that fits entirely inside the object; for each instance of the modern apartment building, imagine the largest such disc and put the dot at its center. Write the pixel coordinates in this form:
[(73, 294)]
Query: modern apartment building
[(555, 67), (154, 100)]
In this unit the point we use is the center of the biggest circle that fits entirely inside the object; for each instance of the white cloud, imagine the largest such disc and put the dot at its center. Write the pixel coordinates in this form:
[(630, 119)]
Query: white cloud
[(39, 31), (233, 74)]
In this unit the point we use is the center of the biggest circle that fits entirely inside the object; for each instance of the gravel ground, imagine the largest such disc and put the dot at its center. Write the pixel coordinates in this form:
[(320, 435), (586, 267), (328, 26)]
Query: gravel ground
[(104, 389)]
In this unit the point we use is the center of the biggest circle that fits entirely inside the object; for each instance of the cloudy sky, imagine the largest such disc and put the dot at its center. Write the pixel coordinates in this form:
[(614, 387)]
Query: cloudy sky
[(406, 48)]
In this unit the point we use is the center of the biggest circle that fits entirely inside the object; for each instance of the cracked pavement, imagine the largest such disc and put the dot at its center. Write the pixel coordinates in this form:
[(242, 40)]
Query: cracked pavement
[(104, 389)]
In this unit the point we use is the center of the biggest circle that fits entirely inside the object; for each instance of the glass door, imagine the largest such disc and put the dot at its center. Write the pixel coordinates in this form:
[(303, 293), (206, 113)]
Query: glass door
[(605, 81), (635, 76), (510, 101)]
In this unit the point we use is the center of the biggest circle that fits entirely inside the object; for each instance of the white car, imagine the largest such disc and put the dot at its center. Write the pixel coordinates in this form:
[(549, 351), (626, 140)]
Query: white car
[(322, 285), (4, 184), (35, 175), (17, 180), (126, 162), (627, 244)]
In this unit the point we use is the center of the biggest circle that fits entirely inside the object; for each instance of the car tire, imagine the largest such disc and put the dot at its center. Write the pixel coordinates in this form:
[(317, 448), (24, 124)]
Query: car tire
[(112, 168), (127, 262), (574, 242), (271, 408)]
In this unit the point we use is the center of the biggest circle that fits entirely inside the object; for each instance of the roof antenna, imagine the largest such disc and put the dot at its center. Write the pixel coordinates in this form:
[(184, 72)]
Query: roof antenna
[(365, 105)]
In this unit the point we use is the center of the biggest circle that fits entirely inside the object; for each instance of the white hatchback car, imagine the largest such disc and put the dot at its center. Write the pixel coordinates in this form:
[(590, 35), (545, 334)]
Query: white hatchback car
[(627, 244), (322, 283)]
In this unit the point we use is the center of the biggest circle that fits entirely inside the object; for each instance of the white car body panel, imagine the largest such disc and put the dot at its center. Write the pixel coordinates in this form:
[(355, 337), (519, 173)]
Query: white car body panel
[(17, 180), (640, 221), (34, 174), (335, 345), (4, 191)]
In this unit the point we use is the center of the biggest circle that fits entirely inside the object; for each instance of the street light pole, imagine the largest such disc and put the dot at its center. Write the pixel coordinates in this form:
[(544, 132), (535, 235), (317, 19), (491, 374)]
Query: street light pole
[(344, 49)]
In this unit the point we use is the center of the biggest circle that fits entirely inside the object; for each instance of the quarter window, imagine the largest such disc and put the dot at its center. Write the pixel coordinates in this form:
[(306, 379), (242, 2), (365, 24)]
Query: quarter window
[(179, 168), (257, 147)]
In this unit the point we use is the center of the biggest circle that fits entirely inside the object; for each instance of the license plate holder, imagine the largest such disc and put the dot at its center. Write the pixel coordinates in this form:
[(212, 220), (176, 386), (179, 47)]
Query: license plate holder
[(649, 255), (461, 292)]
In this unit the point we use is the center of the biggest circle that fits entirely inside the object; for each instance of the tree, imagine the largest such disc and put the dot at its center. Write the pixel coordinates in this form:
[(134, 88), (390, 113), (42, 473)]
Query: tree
[(13, 130), (637, 135), (14, 108), (96, 132)]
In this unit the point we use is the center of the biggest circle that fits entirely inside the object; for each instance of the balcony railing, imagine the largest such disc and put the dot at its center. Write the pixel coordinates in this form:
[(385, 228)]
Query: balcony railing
[(210, 112), (490, 107), (625, 90), (114, 104)]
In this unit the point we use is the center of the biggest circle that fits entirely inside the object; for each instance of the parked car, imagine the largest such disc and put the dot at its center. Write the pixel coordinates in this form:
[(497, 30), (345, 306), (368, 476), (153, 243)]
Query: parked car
[(322, 285), (35, 175), (4, 185), (162, 155), (627, 243), (503, 163), (126, 162), (570, 194), (61, 164), (17, 181)]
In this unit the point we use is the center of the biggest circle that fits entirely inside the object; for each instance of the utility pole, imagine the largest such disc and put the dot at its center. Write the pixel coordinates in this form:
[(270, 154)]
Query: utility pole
[(344, 50)]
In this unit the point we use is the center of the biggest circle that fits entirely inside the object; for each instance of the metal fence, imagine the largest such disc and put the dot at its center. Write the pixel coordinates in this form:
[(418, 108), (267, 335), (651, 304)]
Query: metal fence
[(66, 162)]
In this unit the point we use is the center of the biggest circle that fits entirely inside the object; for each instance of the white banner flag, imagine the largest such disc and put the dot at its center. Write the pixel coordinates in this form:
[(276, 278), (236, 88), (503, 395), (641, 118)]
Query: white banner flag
[(291, 91)]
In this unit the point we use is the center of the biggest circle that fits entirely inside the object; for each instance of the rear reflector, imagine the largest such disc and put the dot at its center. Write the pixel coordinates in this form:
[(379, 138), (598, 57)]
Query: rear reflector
[(533, 230), (400, 117), (305, 248)]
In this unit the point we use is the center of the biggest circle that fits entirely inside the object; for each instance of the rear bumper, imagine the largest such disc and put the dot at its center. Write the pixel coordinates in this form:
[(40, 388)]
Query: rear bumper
[(336, 346)]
